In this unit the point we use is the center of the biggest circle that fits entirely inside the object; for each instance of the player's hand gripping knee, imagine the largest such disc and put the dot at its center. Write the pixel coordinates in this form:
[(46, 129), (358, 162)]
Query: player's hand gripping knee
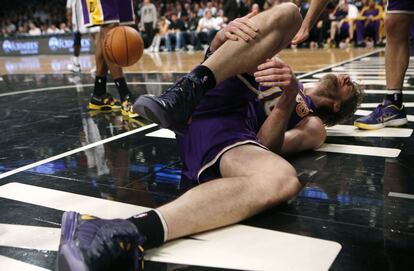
[(241, 28), (276, 73)]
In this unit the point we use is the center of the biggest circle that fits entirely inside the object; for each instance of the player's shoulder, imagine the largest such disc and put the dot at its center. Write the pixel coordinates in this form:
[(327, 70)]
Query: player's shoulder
[(312, 124)]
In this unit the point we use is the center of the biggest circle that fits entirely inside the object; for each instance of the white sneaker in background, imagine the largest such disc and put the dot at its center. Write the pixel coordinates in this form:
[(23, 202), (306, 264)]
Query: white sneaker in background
[(74, 68)]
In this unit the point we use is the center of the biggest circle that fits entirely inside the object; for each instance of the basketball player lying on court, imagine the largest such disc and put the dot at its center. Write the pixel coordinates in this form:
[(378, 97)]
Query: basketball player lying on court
[(227, 142)]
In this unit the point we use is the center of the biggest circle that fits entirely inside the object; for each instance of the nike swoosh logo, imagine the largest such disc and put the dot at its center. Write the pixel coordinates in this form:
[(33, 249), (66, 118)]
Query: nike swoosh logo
[(384, 119)]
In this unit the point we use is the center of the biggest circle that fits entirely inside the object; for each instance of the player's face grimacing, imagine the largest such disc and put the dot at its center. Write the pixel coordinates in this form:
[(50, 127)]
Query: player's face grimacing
[(339, 88)]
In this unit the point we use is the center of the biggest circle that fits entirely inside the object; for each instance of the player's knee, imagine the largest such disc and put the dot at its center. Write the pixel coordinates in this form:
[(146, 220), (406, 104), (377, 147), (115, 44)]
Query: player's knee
[(397, 28), (77, 38), (289, 15), (279, 186)]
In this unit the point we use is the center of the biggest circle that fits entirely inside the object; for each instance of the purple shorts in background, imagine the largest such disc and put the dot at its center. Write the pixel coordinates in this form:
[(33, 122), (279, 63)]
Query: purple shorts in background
[(102, 12), (400, 6)]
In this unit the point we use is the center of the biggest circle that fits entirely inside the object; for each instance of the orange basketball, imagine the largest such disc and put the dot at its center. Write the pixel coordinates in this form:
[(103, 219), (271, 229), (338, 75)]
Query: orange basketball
[(123, 45)]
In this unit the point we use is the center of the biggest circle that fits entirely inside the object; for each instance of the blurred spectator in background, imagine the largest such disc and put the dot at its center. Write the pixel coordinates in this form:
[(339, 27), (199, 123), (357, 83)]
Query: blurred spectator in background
[(368, 24), (161, 33), (231, 9), (53, 30), (192, 26), (211, 8), (34, 30), (149, 20), (207, 28), (320, 31), (342, 24), (176, 32)]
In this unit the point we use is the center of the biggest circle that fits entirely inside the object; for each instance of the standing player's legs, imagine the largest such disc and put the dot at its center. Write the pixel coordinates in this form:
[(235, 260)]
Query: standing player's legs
[(75, 66), (397, 27), (391, 112), (108, 14), (172, 109)]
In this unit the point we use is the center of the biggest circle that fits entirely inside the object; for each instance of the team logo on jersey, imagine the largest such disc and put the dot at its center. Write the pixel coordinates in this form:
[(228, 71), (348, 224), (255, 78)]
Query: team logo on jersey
[(302, 109)]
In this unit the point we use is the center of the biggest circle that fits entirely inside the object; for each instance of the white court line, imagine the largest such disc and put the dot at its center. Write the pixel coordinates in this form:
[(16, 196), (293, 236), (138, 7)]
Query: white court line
[(360, 150), (75, 86), (71, 152), (350, 130), (379, 71), (374, 105), (66, 201), (360, 112), (348, 149), (9, 264), (400, 195), (162, 133), (378, 82), (339, 63), (383, 91), (234, 247), (29, 237)]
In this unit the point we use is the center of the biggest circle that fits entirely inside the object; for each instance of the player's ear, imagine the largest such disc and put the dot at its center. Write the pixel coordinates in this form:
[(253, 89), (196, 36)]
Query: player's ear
[(336, 106)]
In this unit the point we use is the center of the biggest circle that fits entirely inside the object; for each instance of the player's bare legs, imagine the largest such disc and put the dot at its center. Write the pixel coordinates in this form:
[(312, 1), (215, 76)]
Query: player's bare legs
[(397, 27), (392, 112), (174, 107), (116, 70), (259, 178), (103, 64)]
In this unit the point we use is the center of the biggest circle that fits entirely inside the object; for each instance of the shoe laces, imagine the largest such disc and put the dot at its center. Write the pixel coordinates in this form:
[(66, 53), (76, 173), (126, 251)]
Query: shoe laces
[(378, 110), (186, 99)]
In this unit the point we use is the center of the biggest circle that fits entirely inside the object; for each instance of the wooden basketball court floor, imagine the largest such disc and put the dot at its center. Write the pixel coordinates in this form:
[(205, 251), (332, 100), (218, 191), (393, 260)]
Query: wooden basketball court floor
[(355, 212)]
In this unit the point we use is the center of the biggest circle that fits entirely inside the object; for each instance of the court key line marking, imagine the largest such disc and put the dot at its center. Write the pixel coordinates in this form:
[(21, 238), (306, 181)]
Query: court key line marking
[(29, 237), (335, 148), (7, 263), (383, 91), (374, 105), (75, 86), (71, 152), (351, 130), (400, 195), (235, 247), (360, 150)]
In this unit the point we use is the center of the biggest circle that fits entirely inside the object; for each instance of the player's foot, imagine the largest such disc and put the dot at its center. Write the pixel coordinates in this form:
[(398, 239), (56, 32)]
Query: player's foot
[(105, 102), (75, 68), (89, 243), (127, 109), (384, 115), (173, 108)]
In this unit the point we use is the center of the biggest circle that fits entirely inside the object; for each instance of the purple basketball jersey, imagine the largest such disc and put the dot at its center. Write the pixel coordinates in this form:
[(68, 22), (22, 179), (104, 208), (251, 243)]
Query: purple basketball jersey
[(228, 115)]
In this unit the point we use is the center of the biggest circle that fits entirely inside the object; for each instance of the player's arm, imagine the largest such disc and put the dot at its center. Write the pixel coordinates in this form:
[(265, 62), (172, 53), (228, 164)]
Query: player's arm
[(315, 9), (309, 134), (241, 28), (275, 73)]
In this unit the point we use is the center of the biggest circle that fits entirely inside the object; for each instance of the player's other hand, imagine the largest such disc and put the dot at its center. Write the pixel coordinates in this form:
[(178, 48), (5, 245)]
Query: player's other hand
[(276, 73), (301, 36)]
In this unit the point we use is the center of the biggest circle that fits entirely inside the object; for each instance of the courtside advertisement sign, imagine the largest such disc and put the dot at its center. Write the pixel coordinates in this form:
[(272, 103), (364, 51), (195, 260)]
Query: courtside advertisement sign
[(44, 45)]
